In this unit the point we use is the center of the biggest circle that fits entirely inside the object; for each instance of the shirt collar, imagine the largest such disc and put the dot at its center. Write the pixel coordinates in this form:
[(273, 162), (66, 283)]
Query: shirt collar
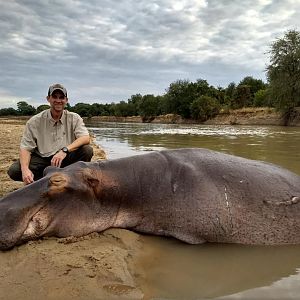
[(61, 120)]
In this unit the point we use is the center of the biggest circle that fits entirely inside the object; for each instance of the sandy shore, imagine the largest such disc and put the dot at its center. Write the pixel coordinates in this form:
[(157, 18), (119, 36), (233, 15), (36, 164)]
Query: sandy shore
[(98, 266)]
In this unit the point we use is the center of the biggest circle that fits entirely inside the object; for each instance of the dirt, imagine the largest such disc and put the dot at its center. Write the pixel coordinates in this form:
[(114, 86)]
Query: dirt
[(97, 266)]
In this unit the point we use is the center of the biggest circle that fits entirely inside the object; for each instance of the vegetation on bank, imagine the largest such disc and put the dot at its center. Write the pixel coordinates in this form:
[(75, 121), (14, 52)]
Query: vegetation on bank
[(199, 100)]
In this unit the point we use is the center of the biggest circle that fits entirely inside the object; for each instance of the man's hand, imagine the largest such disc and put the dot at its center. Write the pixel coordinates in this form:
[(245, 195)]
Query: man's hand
[(58, 158), (27, 176)]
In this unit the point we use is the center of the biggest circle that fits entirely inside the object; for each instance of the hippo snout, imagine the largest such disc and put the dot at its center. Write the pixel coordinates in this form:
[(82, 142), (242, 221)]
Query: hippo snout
[(6, 244)]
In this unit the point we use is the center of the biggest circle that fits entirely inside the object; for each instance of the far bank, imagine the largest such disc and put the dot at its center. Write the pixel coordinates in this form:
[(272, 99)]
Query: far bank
[(244, 116)]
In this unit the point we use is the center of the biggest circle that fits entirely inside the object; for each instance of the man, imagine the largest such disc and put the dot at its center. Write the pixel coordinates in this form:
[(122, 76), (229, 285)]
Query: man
[(53, 137)]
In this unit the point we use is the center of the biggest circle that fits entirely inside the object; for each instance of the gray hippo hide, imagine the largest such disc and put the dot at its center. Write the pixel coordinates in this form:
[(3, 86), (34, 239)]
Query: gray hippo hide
[(194, 195)]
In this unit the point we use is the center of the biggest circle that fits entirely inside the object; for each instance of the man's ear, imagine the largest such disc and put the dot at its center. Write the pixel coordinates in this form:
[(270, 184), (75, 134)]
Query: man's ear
[(67, 100), (48, 98)]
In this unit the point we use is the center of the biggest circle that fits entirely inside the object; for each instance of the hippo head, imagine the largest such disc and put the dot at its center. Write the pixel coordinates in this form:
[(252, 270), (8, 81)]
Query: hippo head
[(73, 201)]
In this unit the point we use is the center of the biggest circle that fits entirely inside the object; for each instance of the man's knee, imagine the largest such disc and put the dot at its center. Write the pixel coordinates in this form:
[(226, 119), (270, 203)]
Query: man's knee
[(87, 152), (83, 153), (14, 171)]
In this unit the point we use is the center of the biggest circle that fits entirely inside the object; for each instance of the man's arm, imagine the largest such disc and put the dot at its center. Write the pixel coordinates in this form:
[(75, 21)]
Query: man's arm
[(60, 156), (27, 175), (83, 140)]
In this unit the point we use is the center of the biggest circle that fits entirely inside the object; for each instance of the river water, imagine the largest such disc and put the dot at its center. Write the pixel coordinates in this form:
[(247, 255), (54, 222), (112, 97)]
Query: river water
[(174, 270)]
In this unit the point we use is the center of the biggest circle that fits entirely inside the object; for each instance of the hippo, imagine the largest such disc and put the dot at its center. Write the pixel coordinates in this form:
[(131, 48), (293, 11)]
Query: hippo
[(194, 195)]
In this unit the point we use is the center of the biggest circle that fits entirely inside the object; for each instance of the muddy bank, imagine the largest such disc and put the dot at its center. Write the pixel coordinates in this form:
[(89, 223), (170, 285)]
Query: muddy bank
[(251, 116), (244, 116), (98, 266)]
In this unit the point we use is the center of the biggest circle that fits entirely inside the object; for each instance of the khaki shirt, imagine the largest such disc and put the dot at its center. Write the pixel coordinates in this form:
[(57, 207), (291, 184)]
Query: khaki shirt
[(45, 136)]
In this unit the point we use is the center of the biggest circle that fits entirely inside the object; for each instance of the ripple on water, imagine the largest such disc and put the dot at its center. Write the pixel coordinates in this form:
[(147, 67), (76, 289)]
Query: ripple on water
[(215, 131)]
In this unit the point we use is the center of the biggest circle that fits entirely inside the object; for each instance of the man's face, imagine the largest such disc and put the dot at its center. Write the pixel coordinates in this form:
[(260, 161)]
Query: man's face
[(57, 100)]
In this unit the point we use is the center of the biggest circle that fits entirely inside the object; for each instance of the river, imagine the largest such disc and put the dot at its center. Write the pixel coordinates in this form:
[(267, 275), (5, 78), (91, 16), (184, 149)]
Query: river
[(174, 270)]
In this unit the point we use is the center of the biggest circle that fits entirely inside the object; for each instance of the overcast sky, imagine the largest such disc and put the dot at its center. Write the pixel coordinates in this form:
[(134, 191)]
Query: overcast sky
[(108, 50)]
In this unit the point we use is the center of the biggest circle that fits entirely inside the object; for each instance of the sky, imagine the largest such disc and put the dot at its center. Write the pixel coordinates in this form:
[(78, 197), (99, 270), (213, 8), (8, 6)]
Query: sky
[(107, 50)]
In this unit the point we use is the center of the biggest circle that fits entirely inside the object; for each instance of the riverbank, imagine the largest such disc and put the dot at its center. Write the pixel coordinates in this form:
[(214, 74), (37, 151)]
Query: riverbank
[(97, 266), (243, 116)]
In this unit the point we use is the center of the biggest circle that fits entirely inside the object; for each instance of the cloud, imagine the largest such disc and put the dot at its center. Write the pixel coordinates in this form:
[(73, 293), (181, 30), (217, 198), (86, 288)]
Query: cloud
[(106, 50)]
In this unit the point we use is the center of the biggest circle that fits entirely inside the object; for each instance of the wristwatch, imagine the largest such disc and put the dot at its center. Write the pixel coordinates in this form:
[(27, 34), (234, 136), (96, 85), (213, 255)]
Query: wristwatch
[(65, 149)]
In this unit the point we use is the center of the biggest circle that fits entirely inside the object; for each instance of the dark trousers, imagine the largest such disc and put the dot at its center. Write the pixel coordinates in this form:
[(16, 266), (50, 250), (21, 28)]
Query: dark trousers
[(38, 164)]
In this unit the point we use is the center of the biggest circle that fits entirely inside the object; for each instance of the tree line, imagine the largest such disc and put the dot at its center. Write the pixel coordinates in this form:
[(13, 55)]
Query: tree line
[(199, 100)]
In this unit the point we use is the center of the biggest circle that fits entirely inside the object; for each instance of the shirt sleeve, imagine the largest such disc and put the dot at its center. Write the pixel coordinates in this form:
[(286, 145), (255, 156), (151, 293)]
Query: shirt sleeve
[(80, 128), (28, 141)]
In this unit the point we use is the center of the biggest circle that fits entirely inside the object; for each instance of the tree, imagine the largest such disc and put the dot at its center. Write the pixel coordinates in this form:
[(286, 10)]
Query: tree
[(134, 103), (42, 107), (254, 84), (261, 98), (182, 93), (24, 109), (241, 97), (283, 73), (97, 109), (8, 112), (149, 107), (121, 109), (83, 109), (229, 91), (204, 108)]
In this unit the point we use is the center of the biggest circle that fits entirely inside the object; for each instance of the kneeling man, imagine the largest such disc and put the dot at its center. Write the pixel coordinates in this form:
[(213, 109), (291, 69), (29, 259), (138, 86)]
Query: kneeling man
[(54, 137)]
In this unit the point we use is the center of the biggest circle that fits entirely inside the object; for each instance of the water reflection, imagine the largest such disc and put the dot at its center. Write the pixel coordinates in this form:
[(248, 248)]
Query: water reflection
[(214, 270)]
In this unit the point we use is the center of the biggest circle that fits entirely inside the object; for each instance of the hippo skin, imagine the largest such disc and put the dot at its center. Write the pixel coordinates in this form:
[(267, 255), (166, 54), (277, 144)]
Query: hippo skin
[(194, 195)]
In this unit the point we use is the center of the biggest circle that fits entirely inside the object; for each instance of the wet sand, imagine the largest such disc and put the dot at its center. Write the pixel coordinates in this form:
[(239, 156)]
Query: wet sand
[(98, 266)]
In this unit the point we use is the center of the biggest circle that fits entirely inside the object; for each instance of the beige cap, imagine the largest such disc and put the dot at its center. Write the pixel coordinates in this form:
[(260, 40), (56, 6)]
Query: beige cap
[(55, 87)]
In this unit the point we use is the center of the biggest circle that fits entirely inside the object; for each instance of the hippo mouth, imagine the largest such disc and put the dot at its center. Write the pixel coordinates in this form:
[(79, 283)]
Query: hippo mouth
[(37, 225), (13, 233)]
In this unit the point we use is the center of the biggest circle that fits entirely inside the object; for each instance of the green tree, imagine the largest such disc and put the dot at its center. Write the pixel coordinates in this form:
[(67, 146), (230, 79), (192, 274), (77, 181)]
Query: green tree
[(182, 93), (283, 72), (97, 109), (42, 107), (230, 90), (8, 112), (134, 103), (261, 98), (149, 107), (83, 109), (204, 108), (202, 87), (253, 84), (121, 109), (24, 109), (241, 97)]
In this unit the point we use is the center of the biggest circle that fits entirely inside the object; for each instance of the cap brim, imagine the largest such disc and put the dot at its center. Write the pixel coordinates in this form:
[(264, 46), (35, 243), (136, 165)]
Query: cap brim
[(58, 89)]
